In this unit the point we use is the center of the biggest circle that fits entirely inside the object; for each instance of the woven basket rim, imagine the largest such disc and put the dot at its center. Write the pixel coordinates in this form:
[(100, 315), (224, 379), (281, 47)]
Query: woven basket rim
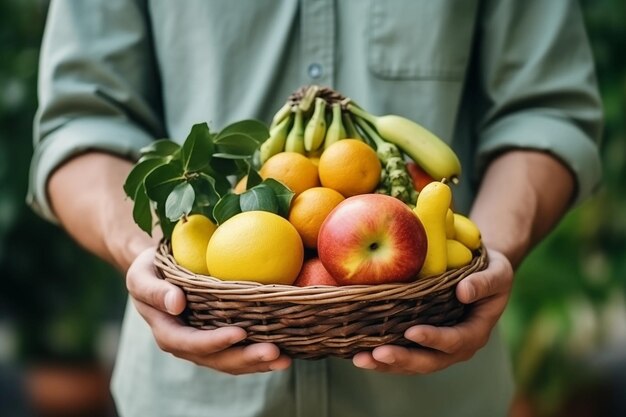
[(318, 294)]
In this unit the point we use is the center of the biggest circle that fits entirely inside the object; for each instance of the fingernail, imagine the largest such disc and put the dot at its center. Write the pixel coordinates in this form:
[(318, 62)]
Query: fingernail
[(170, 300)]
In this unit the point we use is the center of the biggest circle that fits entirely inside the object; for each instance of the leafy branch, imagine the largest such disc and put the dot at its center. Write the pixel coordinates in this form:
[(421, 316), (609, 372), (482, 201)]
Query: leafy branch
[(171, 181)]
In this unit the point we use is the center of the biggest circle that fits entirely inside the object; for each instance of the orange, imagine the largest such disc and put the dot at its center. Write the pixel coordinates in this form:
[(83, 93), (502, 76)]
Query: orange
[(255, 246), (310, 209), (350, 167), (294, 170)]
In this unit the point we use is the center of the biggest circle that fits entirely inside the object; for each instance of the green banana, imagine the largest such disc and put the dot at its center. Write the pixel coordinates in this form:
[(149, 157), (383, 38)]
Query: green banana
[(276, 142), (315, 130), (427, 150), (295, 137), (335, 131), (351, 130), (309, 95), (281, 115)]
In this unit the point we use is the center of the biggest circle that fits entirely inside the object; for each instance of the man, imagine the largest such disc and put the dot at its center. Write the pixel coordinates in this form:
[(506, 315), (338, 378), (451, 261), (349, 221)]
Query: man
[(510, 84)]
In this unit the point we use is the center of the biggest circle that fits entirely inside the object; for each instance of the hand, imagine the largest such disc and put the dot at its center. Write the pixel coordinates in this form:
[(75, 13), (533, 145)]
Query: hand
[(489, 291), (159, 302)]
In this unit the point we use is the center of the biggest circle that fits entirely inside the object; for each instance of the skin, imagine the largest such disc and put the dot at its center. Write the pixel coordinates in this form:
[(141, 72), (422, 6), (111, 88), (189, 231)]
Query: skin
[(87, 197)]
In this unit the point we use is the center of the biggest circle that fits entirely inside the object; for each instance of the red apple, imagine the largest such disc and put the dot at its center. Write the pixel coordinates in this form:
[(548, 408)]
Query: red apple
[(372, 239), (314, 273)]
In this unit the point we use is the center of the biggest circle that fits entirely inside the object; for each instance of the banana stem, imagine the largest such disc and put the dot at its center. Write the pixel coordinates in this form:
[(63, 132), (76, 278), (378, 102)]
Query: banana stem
[(369, 131), (359, 112)]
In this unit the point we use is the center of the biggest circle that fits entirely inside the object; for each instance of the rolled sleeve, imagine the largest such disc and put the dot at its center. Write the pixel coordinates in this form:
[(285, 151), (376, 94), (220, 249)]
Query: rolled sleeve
[(538, 87), (548, 134), (98, 88), (105, 134)]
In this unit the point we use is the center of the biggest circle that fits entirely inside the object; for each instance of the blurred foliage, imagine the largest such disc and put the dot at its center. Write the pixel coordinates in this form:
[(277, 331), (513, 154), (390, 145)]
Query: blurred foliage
[(45, 297), (569, 297)]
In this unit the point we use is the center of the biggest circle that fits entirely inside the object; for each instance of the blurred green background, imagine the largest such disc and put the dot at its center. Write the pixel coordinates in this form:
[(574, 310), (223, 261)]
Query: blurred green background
[(566, 323)]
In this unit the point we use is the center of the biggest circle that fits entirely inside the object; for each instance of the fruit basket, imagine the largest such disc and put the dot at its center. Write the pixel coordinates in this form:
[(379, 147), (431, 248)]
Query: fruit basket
[(319, 321)]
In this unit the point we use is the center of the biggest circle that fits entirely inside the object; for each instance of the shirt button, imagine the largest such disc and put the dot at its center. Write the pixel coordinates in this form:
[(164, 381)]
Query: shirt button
[(315, 70)]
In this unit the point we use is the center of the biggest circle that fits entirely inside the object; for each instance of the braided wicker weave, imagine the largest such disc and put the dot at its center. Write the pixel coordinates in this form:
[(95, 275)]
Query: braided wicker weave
[(315, 322)]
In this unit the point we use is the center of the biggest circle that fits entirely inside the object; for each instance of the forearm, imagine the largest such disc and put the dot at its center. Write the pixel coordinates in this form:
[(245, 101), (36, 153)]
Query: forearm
[(88, 199), (521, 198)]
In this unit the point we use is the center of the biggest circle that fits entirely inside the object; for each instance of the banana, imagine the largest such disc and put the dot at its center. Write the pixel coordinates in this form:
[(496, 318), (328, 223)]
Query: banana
[(276, 142), (427, 150), (307, 99), (335, 131), (295, 137), (431, 207), (315, 130), (458, 255), (351, 130), (466, 232), (281, 114)]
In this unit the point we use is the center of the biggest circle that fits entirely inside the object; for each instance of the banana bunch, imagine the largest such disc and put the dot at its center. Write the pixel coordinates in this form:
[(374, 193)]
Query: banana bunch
[(313, 118), (310, 121)]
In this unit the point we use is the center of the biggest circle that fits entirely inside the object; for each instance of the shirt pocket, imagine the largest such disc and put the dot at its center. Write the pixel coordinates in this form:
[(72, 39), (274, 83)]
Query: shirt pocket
[(420, 39)]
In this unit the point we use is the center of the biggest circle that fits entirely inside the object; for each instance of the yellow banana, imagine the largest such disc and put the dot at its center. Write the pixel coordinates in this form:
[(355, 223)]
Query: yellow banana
[(458, 255), (315, 130), (432, 204), (295, 137), (335, 131), (276, 142), (466, 232), (427, 150), (450, 224)]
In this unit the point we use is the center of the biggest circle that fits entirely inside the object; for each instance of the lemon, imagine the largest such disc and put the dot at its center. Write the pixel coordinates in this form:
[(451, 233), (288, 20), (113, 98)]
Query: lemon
[(190, 238), (255, 246)]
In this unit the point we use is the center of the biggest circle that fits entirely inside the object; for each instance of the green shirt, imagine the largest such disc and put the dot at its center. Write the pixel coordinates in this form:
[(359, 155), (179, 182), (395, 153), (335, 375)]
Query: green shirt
[(486, 76)]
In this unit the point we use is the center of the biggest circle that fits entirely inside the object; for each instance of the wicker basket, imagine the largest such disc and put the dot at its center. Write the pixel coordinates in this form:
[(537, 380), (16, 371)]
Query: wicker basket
[(315, 322)]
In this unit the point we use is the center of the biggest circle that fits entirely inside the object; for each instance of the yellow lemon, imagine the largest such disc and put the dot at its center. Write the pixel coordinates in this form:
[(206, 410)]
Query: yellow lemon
[(255, 246), (190, 238)]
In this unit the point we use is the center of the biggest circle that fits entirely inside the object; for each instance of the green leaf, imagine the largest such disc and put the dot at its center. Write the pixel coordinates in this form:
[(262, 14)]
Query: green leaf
[(139, 173), (141, 210), (206, 195), (236, 145), (255, 129), (198, 148), (223, 165), (166, 225), (226, 208), (180, 201), (260, 197), (254, 178), (222, 184), (283, 194), (162, 180), (161, 147)]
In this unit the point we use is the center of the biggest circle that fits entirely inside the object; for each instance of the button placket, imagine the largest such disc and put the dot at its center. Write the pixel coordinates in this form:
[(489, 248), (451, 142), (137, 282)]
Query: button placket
[(318, 40)]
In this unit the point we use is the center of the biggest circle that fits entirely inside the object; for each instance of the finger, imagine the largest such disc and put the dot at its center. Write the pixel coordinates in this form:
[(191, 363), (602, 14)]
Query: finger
[(496, 279), (258, 357), (184, 341), (364, 360), (402, 360), (467, 336), (145, 286)]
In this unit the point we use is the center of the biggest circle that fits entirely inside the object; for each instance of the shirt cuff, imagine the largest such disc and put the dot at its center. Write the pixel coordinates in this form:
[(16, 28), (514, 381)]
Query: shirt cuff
[(541, 132), (113, 135)]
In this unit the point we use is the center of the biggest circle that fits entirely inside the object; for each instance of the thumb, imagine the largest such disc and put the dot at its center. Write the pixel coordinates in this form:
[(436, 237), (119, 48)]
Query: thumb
[(496, 279), (144, 285)]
